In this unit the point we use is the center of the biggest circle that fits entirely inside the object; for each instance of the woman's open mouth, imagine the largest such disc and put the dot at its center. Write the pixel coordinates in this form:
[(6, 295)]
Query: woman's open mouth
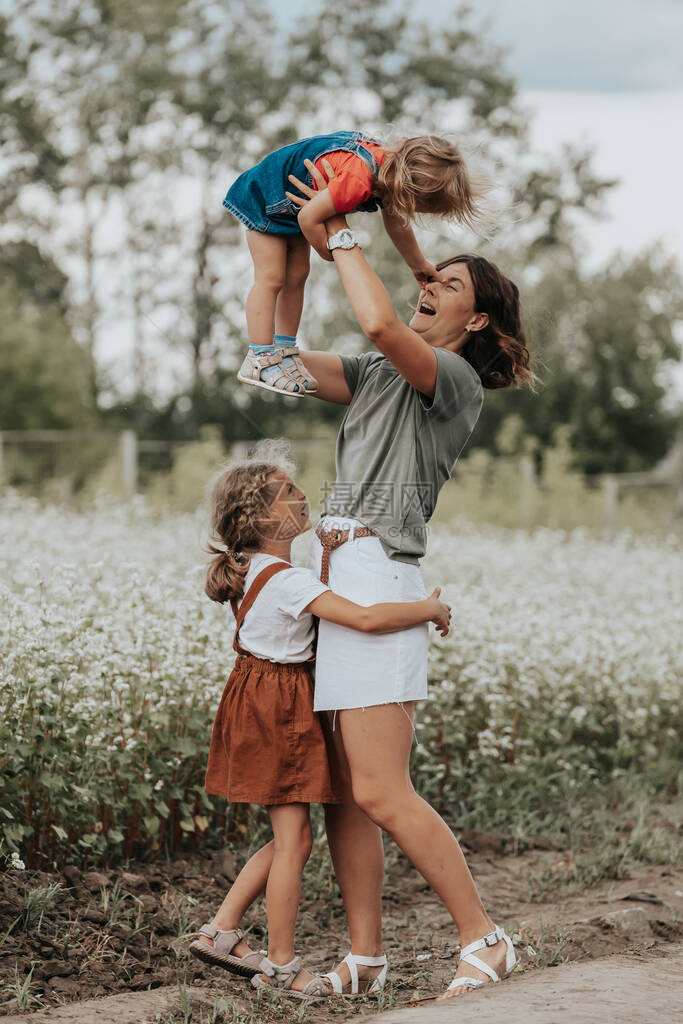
[(425, 308)]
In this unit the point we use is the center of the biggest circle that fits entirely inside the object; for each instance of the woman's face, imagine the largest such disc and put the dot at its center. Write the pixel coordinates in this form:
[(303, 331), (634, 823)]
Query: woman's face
[(445, 309), (288, 513)]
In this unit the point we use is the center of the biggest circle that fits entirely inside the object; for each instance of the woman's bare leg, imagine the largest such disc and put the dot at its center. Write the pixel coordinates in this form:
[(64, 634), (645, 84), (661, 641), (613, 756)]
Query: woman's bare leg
[(358, 859), (290, 300), (377, 742), (269, 253), (246, 888)]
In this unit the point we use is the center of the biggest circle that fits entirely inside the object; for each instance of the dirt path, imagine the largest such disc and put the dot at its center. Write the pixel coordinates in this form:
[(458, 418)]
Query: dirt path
[(632, 988), (127, 1008), (622, 989)]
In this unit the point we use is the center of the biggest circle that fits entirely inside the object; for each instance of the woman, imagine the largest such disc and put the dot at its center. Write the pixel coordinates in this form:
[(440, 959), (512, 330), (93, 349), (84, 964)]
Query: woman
[(412, 407)]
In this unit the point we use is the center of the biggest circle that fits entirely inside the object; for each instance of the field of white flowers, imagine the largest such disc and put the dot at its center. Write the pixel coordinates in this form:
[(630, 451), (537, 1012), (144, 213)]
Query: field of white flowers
[(561, 674)]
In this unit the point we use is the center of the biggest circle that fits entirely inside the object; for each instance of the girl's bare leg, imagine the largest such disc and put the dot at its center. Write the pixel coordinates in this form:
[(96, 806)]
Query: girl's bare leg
[(290, 300), (377, 742), (269, 253), (358, 858), (246, 888), (292, 839)]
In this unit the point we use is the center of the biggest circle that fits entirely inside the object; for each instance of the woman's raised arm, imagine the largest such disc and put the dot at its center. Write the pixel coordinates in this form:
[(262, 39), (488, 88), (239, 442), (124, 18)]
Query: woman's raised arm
[(413, 358), (404, 348)]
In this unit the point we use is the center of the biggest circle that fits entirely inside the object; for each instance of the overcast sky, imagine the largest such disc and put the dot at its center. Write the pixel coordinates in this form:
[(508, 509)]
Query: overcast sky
[(587, 45)]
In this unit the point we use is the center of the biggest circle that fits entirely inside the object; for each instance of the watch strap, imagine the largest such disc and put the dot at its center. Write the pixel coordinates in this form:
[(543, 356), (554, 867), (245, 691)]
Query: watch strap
[(335, 240)]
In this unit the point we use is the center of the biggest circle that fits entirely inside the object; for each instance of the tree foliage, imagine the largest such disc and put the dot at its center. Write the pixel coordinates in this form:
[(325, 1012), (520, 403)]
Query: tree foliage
[(45, 375)]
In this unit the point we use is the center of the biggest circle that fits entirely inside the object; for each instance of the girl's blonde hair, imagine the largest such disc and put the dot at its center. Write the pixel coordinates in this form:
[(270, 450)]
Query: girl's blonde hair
[(240, 497), (428, 174)]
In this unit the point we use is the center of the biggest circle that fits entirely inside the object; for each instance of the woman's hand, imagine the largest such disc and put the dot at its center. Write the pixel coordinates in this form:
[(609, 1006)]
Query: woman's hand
[(321, 181), (315, 209), (440, 612)]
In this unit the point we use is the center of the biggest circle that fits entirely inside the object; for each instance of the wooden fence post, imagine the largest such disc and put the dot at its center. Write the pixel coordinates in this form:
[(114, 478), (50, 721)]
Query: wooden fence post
[(529, 483), (610, 499), (2, 462), (128, 453)]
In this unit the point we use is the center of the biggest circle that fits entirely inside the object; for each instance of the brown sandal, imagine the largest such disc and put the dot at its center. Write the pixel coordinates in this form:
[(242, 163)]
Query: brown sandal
[(282, 382), (298, 371), (220, 954)]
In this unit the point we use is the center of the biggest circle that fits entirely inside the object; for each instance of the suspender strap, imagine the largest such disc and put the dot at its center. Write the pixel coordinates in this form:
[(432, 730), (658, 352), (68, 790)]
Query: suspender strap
[(249, 598), (368, 158)]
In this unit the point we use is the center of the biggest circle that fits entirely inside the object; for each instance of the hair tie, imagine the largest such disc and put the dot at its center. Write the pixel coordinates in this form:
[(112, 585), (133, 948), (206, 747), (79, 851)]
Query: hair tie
[(233, 553)]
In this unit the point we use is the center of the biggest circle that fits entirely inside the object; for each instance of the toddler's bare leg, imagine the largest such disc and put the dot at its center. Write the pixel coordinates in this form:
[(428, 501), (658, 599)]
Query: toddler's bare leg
[(290, 300), (269, 253)]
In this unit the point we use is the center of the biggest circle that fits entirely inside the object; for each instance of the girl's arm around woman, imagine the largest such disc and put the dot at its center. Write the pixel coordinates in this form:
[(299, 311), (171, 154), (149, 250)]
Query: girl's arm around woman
[(387, 617)]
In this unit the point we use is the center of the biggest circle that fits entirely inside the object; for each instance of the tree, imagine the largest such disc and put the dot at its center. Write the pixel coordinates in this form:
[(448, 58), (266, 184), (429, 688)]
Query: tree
[(44, 374), (604, 342), (81, 129)]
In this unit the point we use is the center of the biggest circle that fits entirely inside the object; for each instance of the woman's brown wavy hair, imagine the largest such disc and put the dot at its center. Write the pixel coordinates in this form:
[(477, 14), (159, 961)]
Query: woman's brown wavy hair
[(241, 496), (498, 352)]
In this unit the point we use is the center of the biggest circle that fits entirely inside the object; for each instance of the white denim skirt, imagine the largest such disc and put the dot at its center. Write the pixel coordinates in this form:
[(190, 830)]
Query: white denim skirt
[(360, 670)]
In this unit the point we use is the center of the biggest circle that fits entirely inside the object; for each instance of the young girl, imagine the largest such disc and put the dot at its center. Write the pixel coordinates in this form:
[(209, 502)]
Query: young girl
[(420, 175), (267, 745)]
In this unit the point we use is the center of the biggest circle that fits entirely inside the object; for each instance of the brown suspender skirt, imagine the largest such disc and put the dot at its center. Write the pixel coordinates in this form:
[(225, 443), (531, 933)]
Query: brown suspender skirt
[(268, 745)]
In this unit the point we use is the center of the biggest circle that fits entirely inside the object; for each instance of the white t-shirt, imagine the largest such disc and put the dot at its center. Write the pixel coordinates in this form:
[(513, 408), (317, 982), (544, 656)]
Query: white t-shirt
[(276, 627)]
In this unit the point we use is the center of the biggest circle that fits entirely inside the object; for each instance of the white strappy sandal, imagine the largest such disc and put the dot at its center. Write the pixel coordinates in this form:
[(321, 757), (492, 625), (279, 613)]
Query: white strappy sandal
[(467, 956), (353, 962)]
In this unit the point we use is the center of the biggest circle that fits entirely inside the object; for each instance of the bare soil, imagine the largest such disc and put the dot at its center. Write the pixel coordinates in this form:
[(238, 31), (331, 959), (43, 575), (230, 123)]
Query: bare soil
[(127, 931)]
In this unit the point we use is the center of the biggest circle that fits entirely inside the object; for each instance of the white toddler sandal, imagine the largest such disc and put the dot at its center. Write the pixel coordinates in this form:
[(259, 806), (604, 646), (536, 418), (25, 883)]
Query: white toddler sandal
[(467, 956)]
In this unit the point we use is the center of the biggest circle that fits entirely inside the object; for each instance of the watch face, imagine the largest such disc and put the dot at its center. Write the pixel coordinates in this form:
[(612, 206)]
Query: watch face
[(346, 238)]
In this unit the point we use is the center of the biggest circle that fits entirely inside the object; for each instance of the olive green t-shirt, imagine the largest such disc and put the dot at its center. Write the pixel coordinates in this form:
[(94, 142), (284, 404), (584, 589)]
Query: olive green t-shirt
[(397, 447)]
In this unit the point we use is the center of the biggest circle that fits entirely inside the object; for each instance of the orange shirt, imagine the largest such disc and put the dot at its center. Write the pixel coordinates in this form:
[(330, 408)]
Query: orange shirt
[(353, 180)]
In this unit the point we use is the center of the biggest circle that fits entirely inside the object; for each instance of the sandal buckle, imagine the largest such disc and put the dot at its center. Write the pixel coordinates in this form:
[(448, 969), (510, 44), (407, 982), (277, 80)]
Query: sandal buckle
[(492, 936)]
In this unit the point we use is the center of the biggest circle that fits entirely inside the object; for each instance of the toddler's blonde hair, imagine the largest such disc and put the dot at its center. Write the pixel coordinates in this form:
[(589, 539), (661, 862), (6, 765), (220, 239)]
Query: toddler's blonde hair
[(428, 174)]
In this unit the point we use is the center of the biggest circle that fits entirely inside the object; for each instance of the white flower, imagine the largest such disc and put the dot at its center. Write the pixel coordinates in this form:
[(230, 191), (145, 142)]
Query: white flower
[(16, 862), (552, 629)]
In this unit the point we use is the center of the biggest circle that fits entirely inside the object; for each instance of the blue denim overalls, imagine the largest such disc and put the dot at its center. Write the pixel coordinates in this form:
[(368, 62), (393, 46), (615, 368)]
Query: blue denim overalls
[(258, 197)]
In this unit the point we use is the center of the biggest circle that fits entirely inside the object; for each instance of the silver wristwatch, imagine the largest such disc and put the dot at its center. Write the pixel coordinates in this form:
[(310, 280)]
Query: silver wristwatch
[(344, 239)]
